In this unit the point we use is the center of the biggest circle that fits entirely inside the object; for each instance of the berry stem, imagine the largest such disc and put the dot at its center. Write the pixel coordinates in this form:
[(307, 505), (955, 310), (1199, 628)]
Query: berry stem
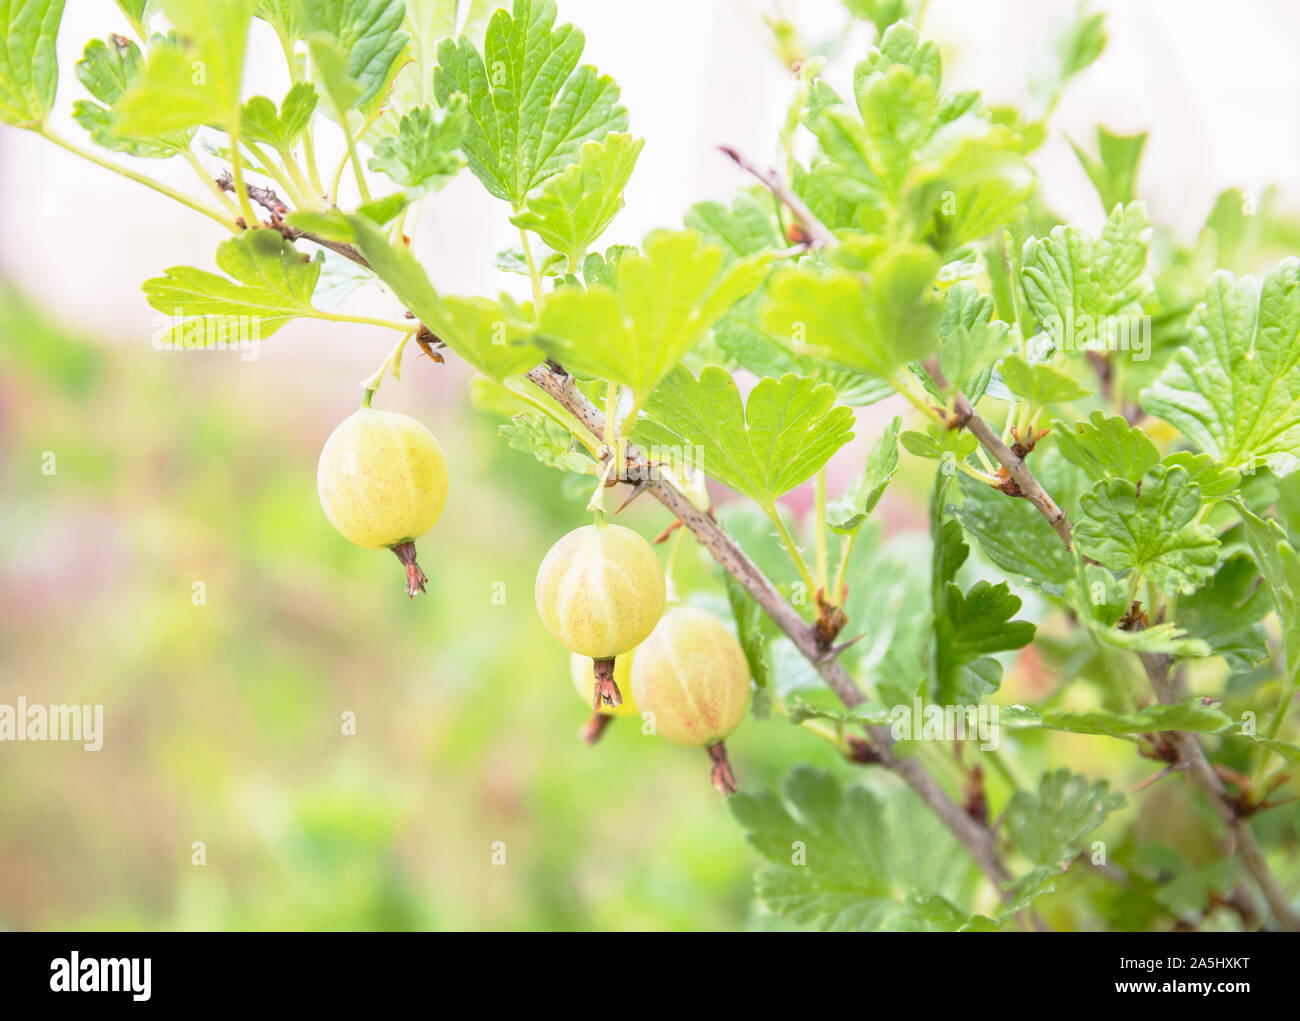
[(415, 578), (594, 729), (605, 693), (722, 776)]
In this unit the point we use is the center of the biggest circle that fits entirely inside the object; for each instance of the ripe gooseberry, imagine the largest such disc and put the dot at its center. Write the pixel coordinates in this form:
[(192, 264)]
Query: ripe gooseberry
[(382, 481), (600, 592), (693, 676)]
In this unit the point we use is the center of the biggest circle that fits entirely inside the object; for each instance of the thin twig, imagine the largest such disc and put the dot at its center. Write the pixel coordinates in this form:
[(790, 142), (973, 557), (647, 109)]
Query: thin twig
[(1203, 774), (1023, 479), (977, 839), (819, 235), (273, 204)]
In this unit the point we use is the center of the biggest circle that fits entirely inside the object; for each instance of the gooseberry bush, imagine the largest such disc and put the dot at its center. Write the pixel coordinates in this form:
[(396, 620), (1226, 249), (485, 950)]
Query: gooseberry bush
[(1108, 422)]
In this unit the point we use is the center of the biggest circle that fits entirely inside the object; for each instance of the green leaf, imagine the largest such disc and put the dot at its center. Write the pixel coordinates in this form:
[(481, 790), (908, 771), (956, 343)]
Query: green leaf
[(1280, 564), (1236, 228), (1165, 639), (281, 15), (868, 713), (749, 628), (547, 441), (900, 46), (1151, 529), (193, 78), (1194, 717), (1082, 43), (530, 106), (938, 443), (329, 63), (970, 342), (546, 263), (1040, 383), (367, 34), (1214, 480), (1225, 613), (871, 861), (1114, 172), (1086, 293), (1047, 826), (259, 122), (491, 338), (745, 228), (1014, 536), (898, 108), (573, 208), (599, 269), (1077, 46), (1183, 887), (1107, 447), (272, 283), (881, 13), (488, 335), (137, 10), (780, 437), (968, 186), (29, 67), (969, 628), (1234, 388), (875, 326), (939, 160), (660, 307), (106, 68), (740, 342), (1286, 749), (425, 153), (849, 513)]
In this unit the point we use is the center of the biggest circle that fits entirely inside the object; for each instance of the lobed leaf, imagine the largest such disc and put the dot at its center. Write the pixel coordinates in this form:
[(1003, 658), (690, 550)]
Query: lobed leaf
[(780, 437), (573, 208), (1234, 389), (1151, 529), (661, 305), (29, 66), (530, 106)]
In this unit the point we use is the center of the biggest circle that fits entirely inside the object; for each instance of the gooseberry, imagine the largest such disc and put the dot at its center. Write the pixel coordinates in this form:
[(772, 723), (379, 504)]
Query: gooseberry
[(382, 481), (692, 675), (600, 591)]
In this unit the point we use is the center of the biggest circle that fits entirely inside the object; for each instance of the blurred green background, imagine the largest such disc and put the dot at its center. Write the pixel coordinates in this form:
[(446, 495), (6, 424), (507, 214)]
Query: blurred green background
[(223, 721), (223, 717)]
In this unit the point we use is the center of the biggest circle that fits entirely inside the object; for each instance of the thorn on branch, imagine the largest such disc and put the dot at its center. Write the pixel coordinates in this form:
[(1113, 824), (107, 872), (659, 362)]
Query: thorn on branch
[(1007, 484), (264, 197), (975, 801), (861, 751), (831, 620)]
